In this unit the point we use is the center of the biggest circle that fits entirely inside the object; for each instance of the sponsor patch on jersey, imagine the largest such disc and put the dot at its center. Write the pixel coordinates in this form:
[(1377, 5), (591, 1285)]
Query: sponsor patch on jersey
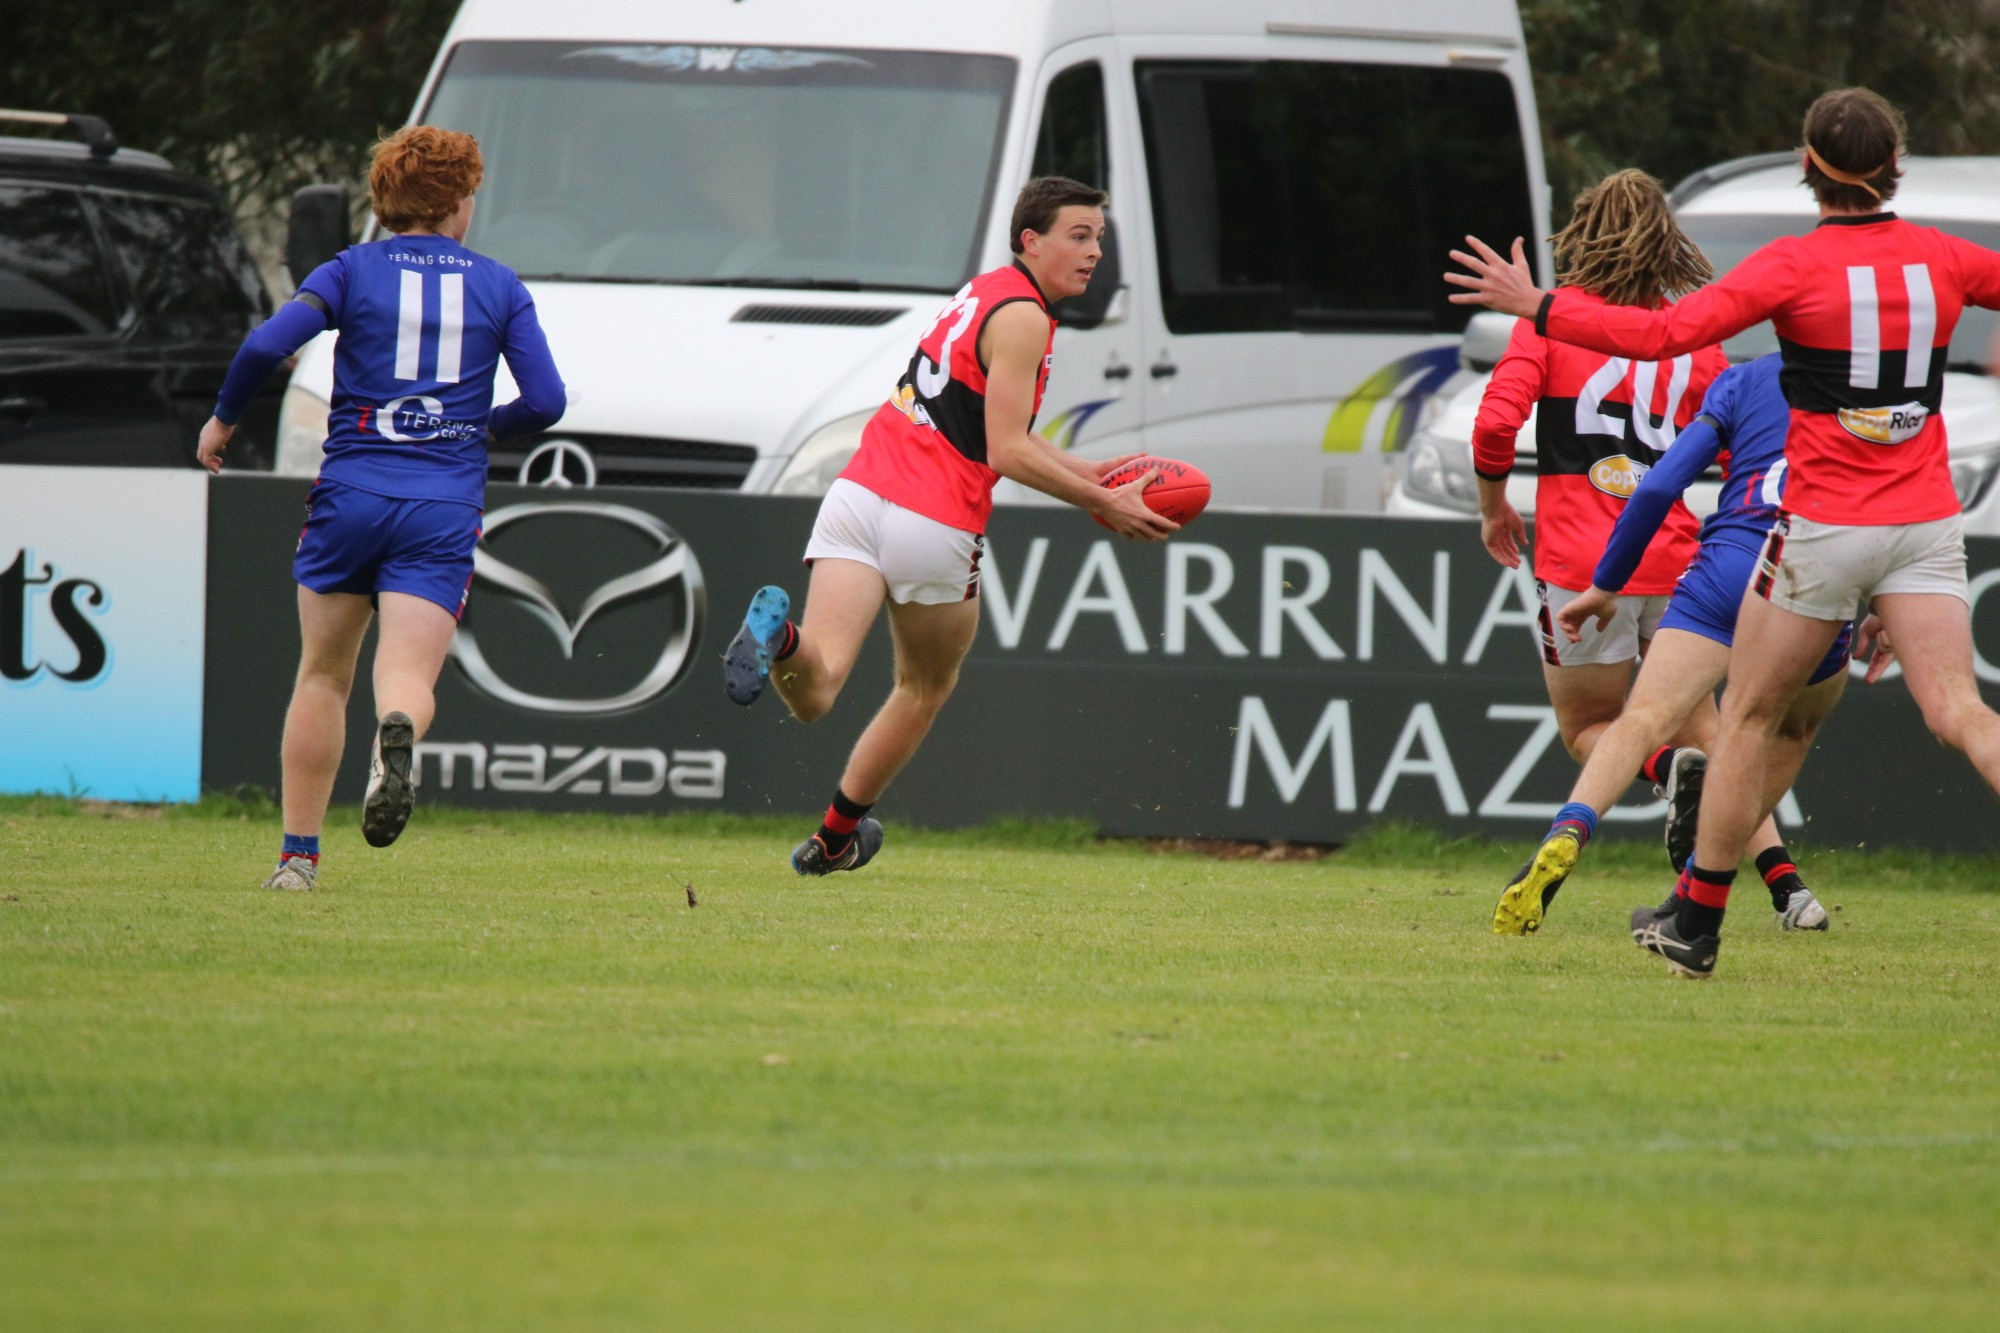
[(905, 399), (1617, 475), (1885, 425)]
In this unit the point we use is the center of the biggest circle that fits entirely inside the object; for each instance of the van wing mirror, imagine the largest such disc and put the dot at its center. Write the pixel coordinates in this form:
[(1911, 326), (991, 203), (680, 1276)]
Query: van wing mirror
[(317, 229), (1090, 309), (1486, 337)]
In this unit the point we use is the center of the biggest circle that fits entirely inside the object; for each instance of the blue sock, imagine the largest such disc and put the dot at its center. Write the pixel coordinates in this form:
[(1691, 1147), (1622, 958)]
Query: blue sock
[(1580, 817), (297, 844)]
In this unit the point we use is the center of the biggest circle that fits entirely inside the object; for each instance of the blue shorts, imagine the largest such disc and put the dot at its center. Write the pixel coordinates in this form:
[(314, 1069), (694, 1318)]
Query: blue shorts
[(1707, 598), (359, 542)]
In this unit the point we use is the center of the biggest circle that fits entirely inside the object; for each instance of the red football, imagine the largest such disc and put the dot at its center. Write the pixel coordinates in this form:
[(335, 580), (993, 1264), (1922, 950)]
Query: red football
[(1180, 493)]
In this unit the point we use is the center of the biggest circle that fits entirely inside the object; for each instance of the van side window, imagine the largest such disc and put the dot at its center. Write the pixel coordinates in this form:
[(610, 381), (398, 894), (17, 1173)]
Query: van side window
[(1071, 141), (52, 278), (1310, 195)]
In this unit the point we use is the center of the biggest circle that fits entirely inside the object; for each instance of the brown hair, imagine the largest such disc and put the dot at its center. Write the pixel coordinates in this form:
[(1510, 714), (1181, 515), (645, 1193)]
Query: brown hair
[(1042, 198), (1858, 135), (1622, 243), (420, 174)]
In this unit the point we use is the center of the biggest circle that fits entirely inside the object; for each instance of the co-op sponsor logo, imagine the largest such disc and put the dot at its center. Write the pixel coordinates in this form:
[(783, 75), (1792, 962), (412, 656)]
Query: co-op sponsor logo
[(419, 418), (71, 603), (672, 569), (1617, 475)]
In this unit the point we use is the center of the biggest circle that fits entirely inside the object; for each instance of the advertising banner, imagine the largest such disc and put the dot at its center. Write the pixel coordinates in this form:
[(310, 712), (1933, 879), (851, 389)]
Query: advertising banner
[(102, 574), (1261, 676)]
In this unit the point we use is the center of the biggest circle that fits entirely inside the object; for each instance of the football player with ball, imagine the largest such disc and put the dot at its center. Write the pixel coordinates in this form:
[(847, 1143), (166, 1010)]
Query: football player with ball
[(905, 522)]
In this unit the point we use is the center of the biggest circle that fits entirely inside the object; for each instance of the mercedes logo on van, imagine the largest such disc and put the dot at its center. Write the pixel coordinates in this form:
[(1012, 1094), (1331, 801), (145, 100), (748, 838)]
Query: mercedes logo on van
[(559, 463), (672, 569)]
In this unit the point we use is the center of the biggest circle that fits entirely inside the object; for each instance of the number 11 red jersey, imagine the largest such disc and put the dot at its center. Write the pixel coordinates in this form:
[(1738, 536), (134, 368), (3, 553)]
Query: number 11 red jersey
[(1864, 306)]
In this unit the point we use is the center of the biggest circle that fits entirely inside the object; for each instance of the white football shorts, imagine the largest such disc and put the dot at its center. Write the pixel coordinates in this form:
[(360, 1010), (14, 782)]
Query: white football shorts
[(1636, 619), (1824, 570), (921, 559)]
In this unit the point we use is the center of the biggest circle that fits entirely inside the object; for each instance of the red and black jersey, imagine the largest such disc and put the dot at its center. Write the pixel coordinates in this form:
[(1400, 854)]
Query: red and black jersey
[(1591, 447), (925, 449), (1864, 306)]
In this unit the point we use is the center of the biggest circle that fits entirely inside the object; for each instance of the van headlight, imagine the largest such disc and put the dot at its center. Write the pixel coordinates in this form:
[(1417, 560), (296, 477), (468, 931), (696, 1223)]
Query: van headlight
[(301, 432), (1972, 475), (1439, 472), (820, 459)]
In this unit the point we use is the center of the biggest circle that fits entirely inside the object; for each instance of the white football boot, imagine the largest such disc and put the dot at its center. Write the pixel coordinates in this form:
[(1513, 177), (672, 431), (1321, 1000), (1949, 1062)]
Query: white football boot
[(1802, 912)]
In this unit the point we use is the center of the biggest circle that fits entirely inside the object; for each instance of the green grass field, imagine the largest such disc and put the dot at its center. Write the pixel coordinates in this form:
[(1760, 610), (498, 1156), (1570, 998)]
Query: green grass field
[(502, 1076)]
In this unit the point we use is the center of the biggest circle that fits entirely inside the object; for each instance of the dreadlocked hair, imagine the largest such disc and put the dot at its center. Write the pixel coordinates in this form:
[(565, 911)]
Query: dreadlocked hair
[(1623, 244)]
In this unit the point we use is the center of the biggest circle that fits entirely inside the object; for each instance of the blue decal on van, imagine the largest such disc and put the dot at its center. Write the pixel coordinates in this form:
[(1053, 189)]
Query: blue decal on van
[(1062, 428), (1419, 374)]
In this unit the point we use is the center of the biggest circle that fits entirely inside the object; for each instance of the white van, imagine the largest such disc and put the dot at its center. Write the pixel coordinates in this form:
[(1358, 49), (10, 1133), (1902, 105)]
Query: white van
[(738, 218)]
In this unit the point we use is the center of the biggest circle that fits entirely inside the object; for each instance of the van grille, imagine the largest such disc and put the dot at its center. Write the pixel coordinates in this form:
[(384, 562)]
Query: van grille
[(628, 460), (850, 316)]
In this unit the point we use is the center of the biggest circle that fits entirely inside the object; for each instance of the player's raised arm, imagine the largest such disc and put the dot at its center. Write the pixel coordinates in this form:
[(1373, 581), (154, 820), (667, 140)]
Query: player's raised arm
[(1746, 296), (1013, 343)]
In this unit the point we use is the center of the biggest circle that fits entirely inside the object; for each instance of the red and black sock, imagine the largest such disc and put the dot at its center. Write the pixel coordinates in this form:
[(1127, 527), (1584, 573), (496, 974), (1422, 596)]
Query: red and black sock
[(837, 829), (788, 642), (1654, 770), (1702, 901), (1781, 876)]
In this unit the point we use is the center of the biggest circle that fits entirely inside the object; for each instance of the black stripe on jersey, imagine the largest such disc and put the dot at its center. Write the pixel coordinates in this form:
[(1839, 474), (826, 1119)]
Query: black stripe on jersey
[(957, 413), (1815, 379), (1560, 451)]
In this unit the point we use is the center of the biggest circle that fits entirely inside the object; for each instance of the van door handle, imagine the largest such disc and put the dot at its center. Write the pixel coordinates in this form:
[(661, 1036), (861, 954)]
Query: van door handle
[(1118, 370), (1164, 369), (21, 406)]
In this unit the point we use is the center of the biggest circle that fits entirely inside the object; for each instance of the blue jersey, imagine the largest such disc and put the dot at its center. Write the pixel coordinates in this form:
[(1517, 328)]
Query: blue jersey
[(1743, 421), (423, 324)]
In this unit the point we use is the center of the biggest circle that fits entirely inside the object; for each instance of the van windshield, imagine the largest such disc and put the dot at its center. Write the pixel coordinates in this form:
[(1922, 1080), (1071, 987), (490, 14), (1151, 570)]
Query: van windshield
[(729, 166), (1728, 239)]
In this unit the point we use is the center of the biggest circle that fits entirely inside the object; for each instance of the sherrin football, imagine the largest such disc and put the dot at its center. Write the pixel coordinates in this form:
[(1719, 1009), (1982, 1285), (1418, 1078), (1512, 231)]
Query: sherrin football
[(1180, 492)]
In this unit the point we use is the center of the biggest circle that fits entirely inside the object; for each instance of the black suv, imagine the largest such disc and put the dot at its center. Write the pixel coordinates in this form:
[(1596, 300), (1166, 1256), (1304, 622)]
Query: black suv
[(124, 292)]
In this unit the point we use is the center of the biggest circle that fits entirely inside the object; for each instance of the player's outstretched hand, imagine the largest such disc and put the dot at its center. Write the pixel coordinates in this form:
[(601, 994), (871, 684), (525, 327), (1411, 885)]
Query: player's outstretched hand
[(214, 439), (1127, 513), (1871, 645), (1504, 534), (1593, 603), (1498, 284)]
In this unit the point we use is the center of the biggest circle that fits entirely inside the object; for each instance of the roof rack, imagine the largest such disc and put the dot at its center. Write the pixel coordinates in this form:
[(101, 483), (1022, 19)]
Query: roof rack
[(1708, 177), (93, 130)]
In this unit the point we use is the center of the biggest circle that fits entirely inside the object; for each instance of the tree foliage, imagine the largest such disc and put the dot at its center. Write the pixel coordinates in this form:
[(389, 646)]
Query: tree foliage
[(259, 97), (1675, 85)]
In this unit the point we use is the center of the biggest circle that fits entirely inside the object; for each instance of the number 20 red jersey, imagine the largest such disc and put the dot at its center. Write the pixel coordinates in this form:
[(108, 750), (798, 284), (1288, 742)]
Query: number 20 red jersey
[(1864, 306), (1600, 423), (925, 449)]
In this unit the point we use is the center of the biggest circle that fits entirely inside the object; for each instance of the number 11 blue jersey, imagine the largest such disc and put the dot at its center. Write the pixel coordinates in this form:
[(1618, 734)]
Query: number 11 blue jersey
[(423, 324)]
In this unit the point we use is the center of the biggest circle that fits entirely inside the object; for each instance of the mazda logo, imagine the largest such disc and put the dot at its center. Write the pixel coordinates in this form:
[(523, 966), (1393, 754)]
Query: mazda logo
[(563, 463), (673, 565)]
